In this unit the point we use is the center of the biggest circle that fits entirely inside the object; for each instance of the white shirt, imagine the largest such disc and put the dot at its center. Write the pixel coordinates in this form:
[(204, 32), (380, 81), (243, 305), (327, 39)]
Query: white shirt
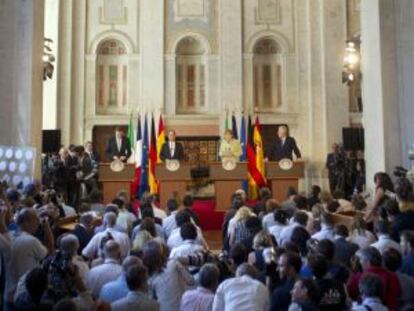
[(169, 224), (187, 248), (159, 213), (385, 242), (241, 293), (98, 276), (276, 231), (69, 210), (172, 147), (118, 143), (170, 285), (25, 254), (92, 249), (176, 240), (373, 303), (268, 221), (362, 240), (326, 232), (286, 233)]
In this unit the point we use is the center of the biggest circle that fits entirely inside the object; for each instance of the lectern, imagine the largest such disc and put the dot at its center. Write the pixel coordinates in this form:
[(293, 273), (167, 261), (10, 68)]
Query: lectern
[(112, 181), (226, 182), (172, 181), (281, 179)]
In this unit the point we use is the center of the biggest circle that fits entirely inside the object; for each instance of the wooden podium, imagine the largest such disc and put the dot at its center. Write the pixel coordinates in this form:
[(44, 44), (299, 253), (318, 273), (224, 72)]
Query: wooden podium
[(112, 181), (226, 182), (280, 180), (172, 182)]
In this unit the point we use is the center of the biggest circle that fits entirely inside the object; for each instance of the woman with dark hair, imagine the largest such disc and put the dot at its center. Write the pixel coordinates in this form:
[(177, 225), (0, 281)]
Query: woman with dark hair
[(383, 185)]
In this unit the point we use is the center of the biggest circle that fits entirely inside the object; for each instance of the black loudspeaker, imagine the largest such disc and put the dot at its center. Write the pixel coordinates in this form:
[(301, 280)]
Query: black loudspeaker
[(353, 138), (50, 141)]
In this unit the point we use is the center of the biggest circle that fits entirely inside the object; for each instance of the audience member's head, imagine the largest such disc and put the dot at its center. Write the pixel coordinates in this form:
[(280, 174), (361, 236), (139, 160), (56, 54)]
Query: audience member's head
[(318, 265), (136, 278), (301, 218), (392, 259), (358, 202), (341, 231), (316, 190), (280, 216), (369, 256), (129, 262), (68, 245), (112, 250), (265, 194), (262, 240), (382, 227), (301, 202), (305, 290), (325, 197), (370, 286), (182, 217), (141, 238), (109, 219), (300, 237), (289, 265), (148, 224), (188, 231), (147, 211), (28, 220), (237, 202), (271, 206), (326, 248), (359, 226), (383, 180), (326, 220), (86, 219), (246, 269), (208, 276), (172, 205), (153, 257), (291, 192), (112, 208), (242, 194), (118, 202), (188, 201), (404, 190), (238, 254)]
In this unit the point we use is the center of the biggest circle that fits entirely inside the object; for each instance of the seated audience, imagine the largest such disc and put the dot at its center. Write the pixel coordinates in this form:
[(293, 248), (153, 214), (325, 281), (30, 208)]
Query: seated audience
[(299, 219), (327, 231), (360, 235), (169, 223), (382, 230), (289, 205), (344, 250), (268, 220), (260, 207), (280, 223), (84, 230), (407, 247), (371, 287), (305, 296)]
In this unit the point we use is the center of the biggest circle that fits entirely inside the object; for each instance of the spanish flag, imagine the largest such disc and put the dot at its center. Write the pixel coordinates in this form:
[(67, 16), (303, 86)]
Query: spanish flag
[(160, 138), (153, 184), (255, 159)]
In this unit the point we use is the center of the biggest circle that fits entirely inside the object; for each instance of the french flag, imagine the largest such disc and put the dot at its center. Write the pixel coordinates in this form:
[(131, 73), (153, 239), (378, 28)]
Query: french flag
[(137, 159)]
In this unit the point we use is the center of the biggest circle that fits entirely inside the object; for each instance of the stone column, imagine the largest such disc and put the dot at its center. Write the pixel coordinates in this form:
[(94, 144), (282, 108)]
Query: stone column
[(21, 74), (231, 54), (152, 54)]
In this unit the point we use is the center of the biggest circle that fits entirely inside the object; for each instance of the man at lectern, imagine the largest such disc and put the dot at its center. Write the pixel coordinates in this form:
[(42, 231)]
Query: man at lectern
[(230, 147), (284, 147), (172, 150), (118, 147)]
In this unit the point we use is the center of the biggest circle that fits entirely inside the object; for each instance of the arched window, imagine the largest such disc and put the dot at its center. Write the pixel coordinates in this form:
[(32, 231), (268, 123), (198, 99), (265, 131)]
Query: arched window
[(190, 76), (112, 77), (267, 71)]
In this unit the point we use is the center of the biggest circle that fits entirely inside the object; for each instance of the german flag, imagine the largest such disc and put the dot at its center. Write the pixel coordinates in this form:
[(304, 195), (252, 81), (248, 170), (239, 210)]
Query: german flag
[(153, 184), (255, 159), (160, 138)]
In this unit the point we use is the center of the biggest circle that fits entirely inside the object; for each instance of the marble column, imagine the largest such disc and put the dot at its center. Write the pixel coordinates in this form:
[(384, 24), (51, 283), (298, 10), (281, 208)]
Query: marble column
[(152, 54), (231, 54), (21, 74)]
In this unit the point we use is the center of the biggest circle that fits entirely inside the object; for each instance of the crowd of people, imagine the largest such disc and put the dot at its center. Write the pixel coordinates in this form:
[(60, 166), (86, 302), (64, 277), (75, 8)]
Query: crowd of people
[(288, 255)]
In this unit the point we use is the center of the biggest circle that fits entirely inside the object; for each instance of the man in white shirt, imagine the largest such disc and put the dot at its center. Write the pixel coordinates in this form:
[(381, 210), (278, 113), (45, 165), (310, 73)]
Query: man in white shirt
[(176, 240), (189, 247), (169, 223), (242, 292), (382, 229), (299, 219), (92, 250), (327, 230), (26, 251), (107, 272)]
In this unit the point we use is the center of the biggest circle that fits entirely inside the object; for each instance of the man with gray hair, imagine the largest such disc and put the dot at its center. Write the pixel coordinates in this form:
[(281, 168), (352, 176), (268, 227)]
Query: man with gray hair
[(242, 292), (107, 272), (371, 289), (69, 245), (202, 297), (91, 251)]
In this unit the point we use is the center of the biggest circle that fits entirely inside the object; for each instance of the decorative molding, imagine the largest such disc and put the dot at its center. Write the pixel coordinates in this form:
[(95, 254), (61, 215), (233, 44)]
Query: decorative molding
[(268, 12), (113, 12), (286, 46), (190, 9), (112, 34), (198, 36)]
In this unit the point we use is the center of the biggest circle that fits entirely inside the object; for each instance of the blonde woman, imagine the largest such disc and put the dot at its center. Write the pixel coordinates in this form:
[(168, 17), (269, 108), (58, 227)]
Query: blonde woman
[(139, 242), (238, 223), (261, 241)]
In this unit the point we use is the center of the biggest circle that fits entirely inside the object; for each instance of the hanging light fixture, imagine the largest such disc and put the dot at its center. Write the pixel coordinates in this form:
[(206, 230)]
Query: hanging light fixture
[(352, 62)]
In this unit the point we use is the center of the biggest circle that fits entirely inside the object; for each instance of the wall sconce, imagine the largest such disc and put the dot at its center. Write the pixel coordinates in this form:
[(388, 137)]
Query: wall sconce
[(352, 62), (48, 59)]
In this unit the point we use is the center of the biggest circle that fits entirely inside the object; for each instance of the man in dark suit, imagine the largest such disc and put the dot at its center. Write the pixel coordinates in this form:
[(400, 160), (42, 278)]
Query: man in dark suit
[(118, 147), (172, 150), (344, 250), (284, 146), (84, 231), (332, 165)]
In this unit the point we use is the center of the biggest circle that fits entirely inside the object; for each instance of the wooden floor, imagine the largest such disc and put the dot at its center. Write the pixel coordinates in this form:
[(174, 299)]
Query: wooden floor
[(213, 239)]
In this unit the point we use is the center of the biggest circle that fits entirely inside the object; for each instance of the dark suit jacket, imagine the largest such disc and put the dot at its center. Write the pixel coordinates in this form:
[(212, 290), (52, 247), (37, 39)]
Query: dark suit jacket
[(165, 153), (279, 152), (112, 148), (344, 250), (83, 236)]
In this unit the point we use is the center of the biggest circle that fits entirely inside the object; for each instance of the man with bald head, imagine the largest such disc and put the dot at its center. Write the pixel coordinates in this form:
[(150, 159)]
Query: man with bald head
[(107, 272), (92, 250)]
